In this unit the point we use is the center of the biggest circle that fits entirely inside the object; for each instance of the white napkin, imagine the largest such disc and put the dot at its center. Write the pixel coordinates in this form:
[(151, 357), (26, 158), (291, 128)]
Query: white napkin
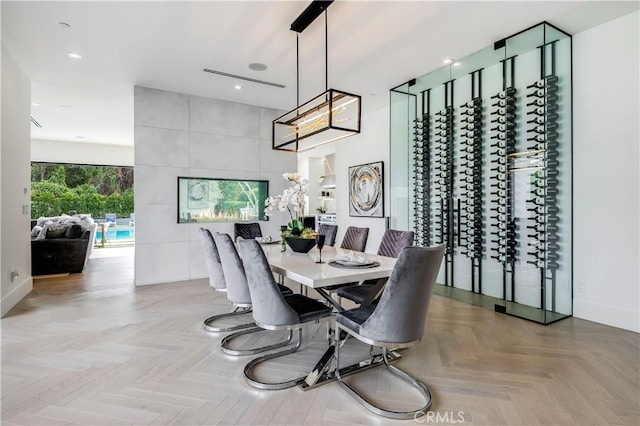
[(351, 257)]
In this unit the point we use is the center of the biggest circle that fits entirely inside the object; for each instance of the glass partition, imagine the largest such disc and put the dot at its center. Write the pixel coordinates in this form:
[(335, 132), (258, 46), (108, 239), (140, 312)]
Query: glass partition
[(481, 161), (207, 200), (401, 131)]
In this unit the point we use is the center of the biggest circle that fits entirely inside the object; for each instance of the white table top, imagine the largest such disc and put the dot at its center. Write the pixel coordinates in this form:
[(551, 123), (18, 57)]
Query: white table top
[(301, 267)]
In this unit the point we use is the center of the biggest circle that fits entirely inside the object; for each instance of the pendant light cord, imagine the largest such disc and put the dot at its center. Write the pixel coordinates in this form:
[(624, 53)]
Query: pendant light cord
[(326, 53), (326, 59), (297, 70)]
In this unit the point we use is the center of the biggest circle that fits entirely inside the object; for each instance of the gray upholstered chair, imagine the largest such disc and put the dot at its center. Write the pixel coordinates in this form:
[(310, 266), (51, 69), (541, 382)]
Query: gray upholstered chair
[(274, 311), (246, 230), (239, 296), (394, 241), (391, 245), (329, 232), (397, 321), (212, 258), (355, 239), (217, 282)]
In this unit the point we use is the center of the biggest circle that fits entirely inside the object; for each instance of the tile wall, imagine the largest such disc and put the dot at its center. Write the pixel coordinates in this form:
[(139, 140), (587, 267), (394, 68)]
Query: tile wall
[(182, 135)]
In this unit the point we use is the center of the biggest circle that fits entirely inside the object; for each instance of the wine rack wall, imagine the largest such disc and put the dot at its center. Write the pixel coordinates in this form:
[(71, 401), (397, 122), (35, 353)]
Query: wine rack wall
[(471, 166), (487, 168), (421, 192)]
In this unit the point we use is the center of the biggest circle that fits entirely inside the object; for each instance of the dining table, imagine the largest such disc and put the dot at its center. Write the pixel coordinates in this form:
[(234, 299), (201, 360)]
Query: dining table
[(304, 269)]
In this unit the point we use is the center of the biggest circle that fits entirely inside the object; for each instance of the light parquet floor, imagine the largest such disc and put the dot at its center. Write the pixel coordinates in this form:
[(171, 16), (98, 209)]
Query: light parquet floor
[(93, 349)]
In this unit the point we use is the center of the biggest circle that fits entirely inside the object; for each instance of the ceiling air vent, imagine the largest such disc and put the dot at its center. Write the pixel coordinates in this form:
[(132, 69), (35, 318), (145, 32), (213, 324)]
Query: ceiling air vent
[(239, 77), (35, 123)]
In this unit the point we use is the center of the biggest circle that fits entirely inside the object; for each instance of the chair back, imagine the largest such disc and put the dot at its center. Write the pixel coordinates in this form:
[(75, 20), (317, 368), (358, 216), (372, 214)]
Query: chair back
[(329, 232), (355, 238), (246, 230), (394, 241), (309, 222), (237, 287), (268, 305), (211, 256), (401, 313)]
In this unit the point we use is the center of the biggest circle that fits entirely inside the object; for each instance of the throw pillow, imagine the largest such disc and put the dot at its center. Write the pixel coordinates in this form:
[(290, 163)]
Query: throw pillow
[(74, 231), (86, 223), (42, 233), (41, 221), (36, 231), (55, 230)]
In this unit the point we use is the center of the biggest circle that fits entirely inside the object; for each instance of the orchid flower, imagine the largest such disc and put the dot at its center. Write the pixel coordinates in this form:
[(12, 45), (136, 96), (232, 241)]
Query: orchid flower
[(291, 200)]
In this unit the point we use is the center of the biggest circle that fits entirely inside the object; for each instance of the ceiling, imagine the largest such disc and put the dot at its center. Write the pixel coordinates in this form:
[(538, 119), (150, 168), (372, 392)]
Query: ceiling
[(373, 46)]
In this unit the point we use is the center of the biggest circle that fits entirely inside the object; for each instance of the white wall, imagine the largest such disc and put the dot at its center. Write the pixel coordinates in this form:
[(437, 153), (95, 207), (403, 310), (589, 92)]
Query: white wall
[(371, 145), (606, 190), (182, 135), (50, 151), (15, 248), (312, 169)]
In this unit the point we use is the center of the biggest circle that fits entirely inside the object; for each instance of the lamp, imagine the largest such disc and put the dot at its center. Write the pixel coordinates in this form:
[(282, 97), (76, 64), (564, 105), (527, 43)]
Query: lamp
[(330, 116)]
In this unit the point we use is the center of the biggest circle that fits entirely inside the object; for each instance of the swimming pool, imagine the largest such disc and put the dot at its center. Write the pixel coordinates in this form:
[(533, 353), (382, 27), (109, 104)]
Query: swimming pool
[(117, 233)]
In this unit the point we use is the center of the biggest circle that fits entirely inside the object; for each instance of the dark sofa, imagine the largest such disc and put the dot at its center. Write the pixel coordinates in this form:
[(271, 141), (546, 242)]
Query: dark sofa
[(60, 255)]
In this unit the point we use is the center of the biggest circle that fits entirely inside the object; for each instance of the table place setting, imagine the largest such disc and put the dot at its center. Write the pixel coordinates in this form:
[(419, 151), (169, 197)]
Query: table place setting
[(352, 260), (267, 240)]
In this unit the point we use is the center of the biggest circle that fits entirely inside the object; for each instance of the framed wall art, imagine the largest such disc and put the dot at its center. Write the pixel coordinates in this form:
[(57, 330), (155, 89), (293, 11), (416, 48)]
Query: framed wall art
[(206, 200), (366, 190)]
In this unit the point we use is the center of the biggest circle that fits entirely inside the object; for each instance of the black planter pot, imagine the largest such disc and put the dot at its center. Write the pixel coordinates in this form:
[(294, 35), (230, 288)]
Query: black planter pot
[(300, 245)]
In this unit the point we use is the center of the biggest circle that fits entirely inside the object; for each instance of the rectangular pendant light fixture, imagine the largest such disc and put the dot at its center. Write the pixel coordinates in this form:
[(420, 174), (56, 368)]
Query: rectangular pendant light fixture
[(331, 116), (328, 117)]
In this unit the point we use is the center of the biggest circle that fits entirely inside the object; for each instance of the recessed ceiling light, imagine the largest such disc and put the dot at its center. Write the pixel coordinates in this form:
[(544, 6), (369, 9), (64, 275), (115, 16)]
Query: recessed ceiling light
[(65, 106), (447, 61), (456, 64), (64, 25), (81, 137), (237, 87), (74, 55), (35, 104), (257, 66)]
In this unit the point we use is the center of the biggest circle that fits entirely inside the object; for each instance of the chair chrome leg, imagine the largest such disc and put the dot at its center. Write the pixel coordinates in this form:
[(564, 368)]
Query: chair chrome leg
[(224, 344), (209, 322), (271, 386), (378, 410)]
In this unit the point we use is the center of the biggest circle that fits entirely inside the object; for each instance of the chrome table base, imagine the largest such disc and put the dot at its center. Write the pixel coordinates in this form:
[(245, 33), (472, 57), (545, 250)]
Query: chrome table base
[(322, 375)]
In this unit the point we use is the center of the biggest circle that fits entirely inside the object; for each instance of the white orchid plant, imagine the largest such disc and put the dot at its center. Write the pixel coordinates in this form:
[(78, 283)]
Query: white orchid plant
[(292, 200)]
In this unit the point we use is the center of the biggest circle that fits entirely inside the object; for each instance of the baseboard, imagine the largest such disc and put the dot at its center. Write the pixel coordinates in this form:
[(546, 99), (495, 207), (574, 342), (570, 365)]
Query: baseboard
[(140, 283), (605, 314), (16, 295), (44, 277)]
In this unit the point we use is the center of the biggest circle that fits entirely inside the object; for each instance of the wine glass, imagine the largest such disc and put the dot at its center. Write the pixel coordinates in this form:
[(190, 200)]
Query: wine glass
[(320, 243)]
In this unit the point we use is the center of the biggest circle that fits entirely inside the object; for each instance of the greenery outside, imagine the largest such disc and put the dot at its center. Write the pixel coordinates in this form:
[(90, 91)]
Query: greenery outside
[(97, 190), (220, 200)]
